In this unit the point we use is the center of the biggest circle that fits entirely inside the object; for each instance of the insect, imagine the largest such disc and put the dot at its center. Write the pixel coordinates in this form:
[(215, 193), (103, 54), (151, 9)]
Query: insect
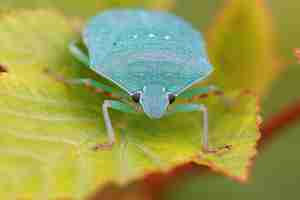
[(154, 57)]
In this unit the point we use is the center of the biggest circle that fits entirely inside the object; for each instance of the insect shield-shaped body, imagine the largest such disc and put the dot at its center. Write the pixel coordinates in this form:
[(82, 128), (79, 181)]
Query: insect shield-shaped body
[(153, 56)]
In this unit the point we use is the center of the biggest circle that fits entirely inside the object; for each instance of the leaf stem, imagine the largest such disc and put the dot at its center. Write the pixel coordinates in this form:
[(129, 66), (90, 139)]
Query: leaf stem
[(285, 117)]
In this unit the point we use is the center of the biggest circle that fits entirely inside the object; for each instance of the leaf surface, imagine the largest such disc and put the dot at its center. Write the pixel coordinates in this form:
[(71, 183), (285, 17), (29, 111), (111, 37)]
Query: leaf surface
[(48, 128)]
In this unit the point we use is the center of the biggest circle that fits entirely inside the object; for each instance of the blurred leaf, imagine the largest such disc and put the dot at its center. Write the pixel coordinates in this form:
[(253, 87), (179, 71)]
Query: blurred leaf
[(86, 8), (48, 129), (240, 44), (297, 54)]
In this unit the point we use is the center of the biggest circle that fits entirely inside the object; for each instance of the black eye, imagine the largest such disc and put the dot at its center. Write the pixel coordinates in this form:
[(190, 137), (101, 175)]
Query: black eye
[(171, 98), (136, 97)]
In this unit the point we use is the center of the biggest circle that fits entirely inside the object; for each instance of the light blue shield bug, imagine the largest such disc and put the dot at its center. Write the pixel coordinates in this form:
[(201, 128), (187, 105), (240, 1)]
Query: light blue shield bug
[(154, 57)]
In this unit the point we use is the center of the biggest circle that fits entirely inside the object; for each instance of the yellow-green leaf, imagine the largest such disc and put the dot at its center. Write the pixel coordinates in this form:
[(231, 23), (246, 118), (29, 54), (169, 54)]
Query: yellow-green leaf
[(48, 128)]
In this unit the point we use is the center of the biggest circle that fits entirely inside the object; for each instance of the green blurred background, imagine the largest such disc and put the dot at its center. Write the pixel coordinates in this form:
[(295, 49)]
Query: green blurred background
[(276, 173)]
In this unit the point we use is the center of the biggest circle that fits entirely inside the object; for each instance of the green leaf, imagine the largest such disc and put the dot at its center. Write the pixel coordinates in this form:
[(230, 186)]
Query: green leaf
[(241, 46), (48, 128)]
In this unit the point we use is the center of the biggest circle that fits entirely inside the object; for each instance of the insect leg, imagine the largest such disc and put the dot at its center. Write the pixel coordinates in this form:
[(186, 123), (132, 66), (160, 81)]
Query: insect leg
[(79, 54), (200, 92), (99, 87), (202, 108), (116, 105), (90, 83), (197, 93)]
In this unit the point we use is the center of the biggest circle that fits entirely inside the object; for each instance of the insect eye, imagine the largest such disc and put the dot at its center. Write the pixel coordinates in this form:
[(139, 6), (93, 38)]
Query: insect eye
[(136, 97), (171, 98)]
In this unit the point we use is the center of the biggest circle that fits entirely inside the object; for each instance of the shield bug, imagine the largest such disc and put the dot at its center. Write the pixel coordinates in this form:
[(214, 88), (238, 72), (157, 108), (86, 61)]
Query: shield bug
[(154, 57)]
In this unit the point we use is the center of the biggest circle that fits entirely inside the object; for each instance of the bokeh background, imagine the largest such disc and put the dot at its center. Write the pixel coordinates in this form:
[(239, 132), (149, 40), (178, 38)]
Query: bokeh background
[(276, 173)]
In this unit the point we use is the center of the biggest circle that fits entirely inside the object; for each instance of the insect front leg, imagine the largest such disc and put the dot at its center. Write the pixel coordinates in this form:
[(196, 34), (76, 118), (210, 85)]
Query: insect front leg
[(205, 138), (116, 105)]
